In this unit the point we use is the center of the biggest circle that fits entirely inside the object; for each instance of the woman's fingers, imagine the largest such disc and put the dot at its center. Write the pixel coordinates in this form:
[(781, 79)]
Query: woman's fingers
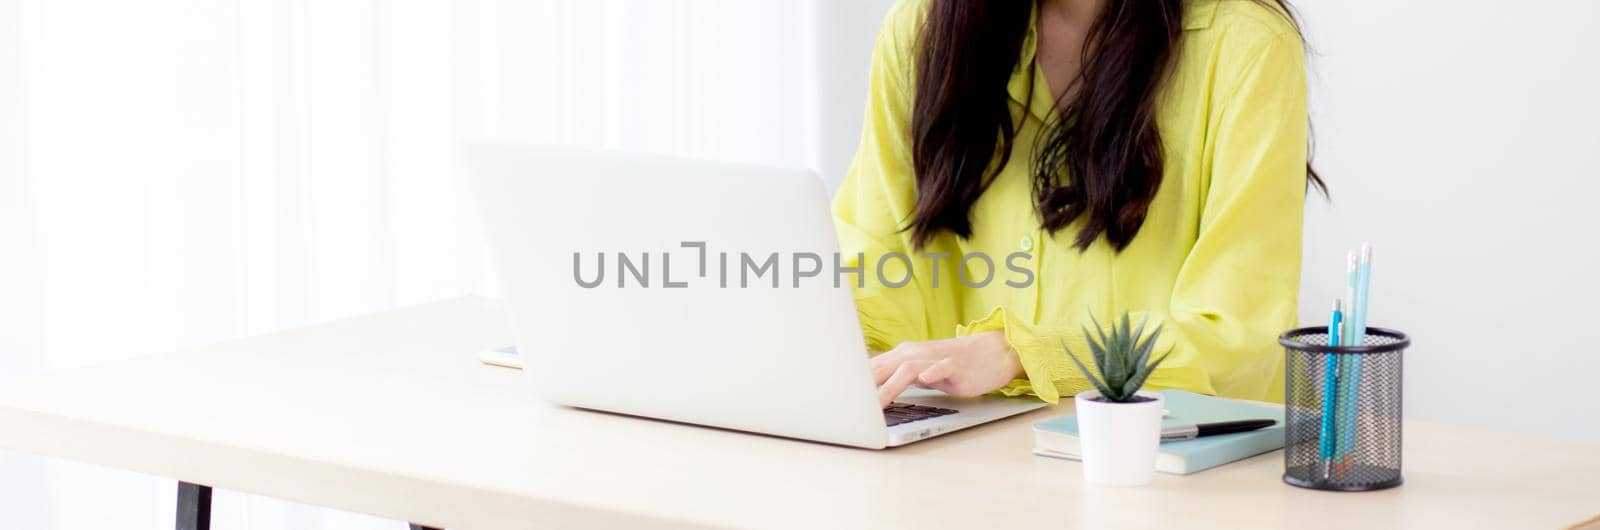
[(883, 366), (963, 367), (946, 376), (939, 372), (887, 362), (897, 382)]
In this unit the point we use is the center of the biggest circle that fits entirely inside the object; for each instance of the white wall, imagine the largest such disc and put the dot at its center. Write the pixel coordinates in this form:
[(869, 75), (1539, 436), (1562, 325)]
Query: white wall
[(844, 53), (1460, 137)]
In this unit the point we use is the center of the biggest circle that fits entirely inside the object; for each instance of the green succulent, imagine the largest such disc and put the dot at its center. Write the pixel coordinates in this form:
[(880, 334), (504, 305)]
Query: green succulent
[(1121, 358)]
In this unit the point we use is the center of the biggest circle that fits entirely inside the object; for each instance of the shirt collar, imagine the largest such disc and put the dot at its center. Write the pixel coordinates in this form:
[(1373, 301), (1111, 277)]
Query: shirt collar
[(1027, 82), (1198, 14)]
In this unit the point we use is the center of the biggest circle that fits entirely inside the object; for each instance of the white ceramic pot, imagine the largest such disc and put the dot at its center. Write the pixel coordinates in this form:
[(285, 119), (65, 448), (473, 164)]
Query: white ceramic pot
[(1119, 440)]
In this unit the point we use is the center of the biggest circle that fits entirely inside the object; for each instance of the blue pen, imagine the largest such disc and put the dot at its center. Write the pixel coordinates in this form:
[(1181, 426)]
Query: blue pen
[(1330, 391), (1355, 335)]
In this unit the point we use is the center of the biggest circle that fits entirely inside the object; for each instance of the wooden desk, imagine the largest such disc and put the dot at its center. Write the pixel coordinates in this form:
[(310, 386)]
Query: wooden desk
[(392, 415)]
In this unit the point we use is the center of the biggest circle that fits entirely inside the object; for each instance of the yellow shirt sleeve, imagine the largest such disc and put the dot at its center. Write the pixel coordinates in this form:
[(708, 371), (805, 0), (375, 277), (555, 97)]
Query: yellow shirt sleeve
[(878, 185)]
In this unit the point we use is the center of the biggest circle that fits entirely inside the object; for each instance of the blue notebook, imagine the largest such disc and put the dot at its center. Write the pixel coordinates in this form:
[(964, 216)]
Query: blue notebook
[(1058, 437)]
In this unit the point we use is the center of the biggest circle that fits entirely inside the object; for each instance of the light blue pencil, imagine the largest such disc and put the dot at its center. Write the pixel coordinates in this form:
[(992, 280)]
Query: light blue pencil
[(1359, 283)]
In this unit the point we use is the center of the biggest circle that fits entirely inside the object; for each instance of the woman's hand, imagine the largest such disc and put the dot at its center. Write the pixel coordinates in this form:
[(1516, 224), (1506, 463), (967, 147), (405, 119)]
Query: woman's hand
[(963, 366)]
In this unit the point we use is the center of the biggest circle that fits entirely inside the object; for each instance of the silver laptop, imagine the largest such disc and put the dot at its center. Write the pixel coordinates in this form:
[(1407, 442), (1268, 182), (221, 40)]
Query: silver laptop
[(697, 292)]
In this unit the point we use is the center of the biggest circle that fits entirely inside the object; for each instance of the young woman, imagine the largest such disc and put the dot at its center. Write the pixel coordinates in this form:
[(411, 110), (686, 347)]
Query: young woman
[(1088, 158)]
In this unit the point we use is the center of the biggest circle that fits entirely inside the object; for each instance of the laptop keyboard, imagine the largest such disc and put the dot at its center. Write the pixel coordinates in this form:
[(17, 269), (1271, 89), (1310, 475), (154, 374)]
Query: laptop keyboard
[(898, 413)]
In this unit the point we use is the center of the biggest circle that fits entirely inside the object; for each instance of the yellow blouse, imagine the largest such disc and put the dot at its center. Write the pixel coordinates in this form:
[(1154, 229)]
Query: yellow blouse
[(1217, 260)]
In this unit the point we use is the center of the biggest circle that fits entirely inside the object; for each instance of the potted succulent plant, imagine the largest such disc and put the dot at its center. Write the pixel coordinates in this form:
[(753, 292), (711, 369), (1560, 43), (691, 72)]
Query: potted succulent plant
[(1119, 426)]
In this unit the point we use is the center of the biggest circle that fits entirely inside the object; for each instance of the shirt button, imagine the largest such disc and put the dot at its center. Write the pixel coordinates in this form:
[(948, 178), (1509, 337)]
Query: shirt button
[(1026, 243)]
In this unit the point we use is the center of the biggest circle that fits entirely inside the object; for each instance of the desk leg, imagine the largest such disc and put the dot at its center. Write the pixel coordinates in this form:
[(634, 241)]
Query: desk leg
[(194, 506)]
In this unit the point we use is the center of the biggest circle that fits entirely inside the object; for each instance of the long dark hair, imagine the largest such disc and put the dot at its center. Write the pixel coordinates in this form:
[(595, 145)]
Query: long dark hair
[(1106, 138)]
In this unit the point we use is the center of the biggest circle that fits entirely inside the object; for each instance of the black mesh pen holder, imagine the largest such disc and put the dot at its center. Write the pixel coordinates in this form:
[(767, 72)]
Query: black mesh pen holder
[(1342, 410)]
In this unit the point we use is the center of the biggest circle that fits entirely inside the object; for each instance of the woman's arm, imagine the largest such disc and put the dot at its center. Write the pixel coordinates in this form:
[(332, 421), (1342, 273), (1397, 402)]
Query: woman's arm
[(1239, 288), (877, 196), (878, 193)]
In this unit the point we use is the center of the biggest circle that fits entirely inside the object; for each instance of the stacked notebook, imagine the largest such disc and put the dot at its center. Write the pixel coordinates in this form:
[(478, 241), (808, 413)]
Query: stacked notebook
[(1058, 437)]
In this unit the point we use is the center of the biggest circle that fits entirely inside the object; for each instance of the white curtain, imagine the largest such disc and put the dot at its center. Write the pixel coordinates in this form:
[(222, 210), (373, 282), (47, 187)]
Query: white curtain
[(178, 172)]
